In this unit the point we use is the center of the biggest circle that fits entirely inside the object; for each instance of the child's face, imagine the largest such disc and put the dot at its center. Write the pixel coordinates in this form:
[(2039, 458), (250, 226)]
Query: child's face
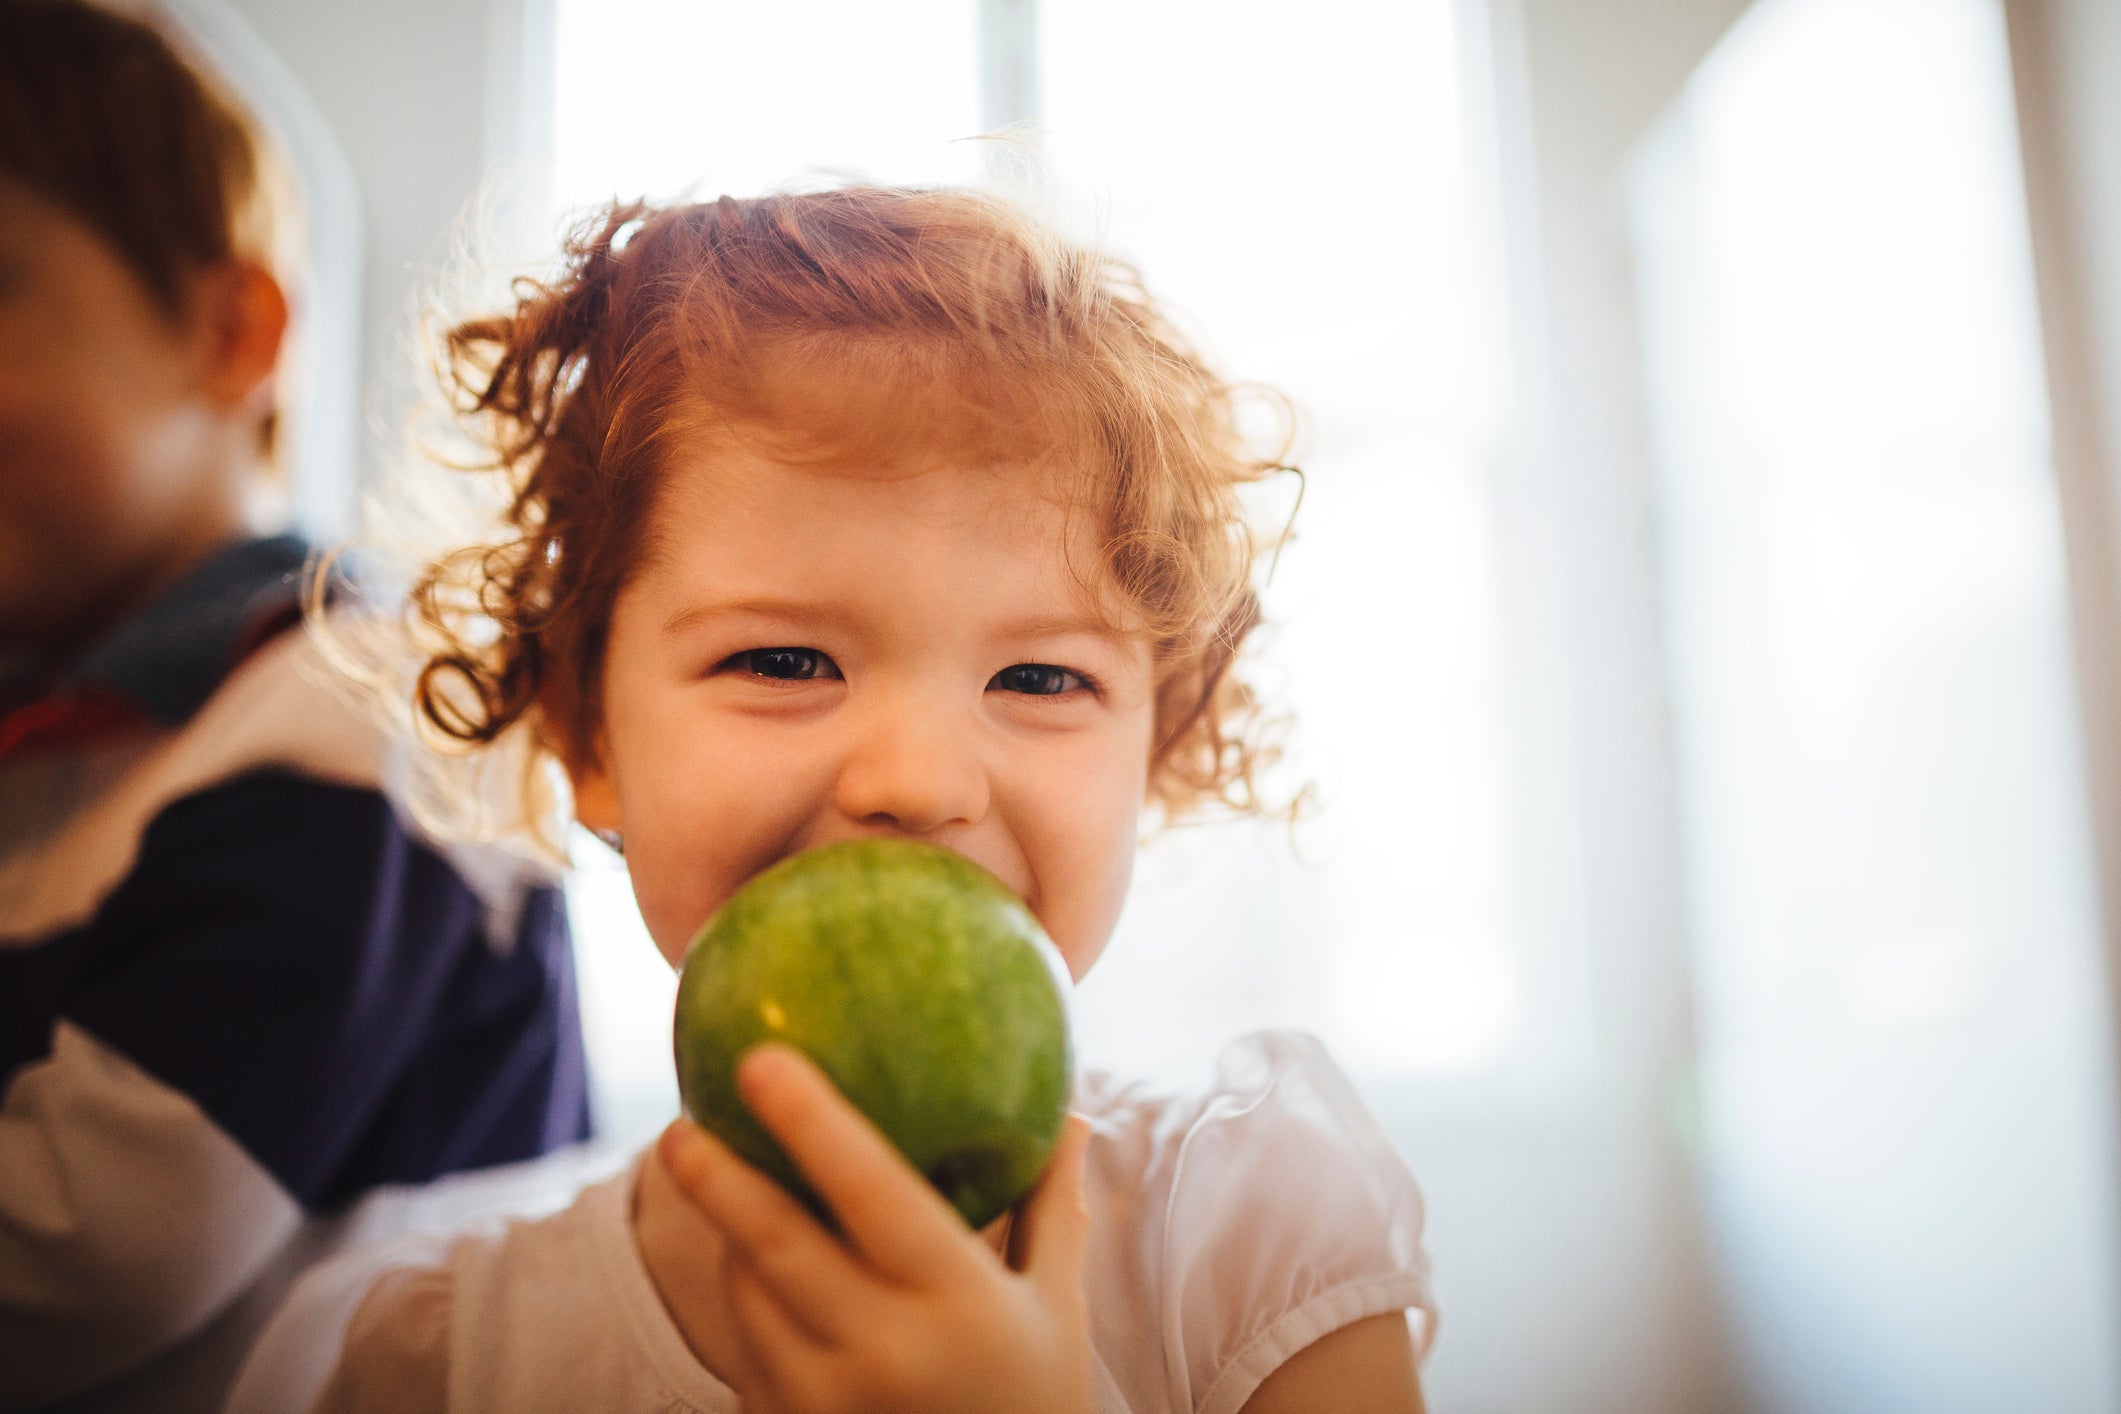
[(124, 432), (809, 655)]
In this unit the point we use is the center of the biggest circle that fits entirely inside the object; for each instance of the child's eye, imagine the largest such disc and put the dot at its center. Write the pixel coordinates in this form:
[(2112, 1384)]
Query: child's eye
[(784, 664), (1037, 680)]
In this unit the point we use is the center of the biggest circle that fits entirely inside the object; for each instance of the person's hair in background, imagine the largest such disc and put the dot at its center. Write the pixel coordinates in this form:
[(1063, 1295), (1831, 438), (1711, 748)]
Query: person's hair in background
[(145, 147)]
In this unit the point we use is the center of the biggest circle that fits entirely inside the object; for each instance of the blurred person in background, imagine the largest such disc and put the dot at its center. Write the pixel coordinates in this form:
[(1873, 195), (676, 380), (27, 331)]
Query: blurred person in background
[(237, 989)]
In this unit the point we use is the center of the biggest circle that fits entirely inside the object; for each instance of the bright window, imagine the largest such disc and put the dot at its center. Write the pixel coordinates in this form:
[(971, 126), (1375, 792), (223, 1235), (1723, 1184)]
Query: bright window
[(656, 97), (1297, 185)]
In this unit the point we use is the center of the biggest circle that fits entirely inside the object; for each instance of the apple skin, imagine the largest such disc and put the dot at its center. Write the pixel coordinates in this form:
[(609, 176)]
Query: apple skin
[(920, 985)]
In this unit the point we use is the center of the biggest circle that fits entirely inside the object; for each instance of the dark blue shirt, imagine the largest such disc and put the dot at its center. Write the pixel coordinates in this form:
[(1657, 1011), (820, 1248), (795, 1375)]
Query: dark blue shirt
[(285, 948)]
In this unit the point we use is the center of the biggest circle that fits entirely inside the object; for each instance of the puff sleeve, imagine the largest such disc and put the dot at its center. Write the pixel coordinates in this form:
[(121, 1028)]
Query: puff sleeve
[(1246, 1223)]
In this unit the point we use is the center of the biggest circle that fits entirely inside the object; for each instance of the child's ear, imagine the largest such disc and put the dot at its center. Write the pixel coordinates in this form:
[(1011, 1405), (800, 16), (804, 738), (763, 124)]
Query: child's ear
[(242, 314)]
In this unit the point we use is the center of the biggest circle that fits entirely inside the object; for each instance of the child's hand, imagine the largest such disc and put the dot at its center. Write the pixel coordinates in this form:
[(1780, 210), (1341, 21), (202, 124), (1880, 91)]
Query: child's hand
[(906, 1309)]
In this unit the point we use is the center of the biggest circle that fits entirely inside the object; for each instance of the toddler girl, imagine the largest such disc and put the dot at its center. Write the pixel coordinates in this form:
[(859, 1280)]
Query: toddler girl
[(871, 512)]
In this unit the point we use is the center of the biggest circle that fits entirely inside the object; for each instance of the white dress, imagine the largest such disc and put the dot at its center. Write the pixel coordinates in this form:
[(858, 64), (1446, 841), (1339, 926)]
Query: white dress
[(1228, 1230)]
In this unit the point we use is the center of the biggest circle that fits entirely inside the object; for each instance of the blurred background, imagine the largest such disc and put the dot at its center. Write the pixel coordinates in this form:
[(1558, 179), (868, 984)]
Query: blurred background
[(1704, 622)]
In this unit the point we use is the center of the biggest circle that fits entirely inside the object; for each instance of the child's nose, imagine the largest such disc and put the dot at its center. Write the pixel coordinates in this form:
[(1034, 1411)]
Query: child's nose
[(913, 767)]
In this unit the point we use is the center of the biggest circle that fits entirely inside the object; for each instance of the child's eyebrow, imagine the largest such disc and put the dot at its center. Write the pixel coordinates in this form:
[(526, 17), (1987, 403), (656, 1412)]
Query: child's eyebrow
[(694, 615), (1063, 626), (1084, 624)]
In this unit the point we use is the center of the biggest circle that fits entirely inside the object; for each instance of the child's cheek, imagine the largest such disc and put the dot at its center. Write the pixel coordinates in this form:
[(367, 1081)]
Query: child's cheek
[(683, 869), (696, 830), (1082, 836), (1093, 910)]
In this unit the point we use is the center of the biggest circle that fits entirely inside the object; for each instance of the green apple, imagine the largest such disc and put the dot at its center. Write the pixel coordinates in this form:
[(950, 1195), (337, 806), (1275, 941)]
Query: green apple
[(918, 982)]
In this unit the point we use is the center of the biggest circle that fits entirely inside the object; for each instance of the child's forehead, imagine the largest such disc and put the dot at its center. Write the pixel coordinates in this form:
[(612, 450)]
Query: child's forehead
[(735, 517), (752, 485), (890, 425), (876, 403)]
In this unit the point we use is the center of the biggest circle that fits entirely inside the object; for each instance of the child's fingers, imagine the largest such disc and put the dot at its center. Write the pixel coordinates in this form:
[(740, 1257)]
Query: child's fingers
[(740, 1368), (1052, 1228), (802, 1264), (889, 1212), (786, 1366)]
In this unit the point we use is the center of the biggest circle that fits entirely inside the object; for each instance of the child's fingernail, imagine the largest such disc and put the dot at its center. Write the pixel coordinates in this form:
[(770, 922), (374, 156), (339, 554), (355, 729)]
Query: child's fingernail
[(760, 1073), (681, 1146)]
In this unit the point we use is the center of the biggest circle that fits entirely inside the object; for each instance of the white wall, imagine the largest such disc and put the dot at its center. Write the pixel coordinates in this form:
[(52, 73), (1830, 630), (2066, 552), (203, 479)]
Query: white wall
[(2080, 58), (319, 372), (2067, 54), (418, 101)]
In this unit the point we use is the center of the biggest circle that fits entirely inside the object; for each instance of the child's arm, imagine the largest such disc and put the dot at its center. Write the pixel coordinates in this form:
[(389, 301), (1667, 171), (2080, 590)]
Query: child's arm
[(128, 1221), (1364, 1368), (908, 1309), (263, 996)]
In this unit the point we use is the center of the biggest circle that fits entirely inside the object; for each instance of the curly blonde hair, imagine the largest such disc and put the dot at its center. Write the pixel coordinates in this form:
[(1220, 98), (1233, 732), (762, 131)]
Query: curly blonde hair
[(971, 327)]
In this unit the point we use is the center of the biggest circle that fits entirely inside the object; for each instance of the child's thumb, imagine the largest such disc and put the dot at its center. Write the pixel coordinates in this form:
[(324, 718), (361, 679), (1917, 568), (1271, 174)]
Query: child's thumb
[(1053, 1227)]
